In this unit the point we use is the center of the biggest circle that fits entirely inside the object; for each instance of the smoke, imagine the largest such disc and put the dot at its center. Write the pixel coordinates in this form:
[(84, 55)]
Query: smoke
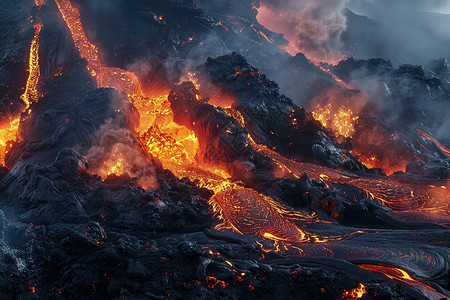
[(116, 152), (403, 31), (313, 27)]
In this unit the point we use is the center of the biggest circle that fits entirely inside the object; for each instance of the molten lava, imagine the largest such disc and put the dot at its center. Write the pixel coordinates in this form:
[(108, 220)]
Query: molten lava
[(8, 133), (337, 79), (241, 209), (9, 130), (401, 275), (106, 77), (433, 140), (249, 212), (31, 94), (356, 293), (340, 119)]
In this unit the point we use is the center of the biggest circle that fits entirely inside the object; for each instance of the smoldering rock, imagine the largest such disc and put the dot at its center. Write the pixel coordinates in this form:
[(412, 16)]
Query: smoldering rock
[(14, 54), (417, 95), (270, 118), (222, 141), (110, 236), (436, 169)]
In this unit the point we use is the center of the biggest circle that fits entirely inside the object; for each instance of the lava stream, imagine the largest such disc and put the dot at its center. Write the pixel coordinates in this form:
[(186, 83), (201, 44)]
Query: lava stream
[(401, 275), (119, 79), (9, 130), (176, 146), (31, 94), (399, 195), (433, 140)]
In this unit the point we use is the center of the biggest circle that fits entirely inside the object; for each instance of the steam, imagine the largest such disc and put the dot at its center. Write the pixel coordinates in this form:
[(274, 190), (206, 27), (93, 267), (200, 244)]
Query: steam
[(313, 27), (116, 153)]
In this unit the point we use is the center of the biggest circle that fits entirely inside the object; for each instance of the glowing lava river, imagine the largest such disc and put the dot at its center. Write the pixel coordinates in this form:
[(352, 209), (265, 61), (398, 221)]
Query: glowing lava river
[(189, 136)]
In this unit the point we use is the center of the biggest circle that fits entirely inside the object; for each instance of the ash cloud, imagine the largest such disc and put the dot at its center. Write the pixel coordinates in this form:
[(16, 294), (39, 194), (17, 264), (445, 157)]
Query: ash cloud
[(312, 27)]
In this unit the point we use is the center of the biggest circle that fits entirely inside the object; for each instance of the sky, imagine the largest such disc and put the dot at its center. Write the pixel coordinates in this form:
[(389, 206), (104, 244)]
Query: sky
[(436, 6)]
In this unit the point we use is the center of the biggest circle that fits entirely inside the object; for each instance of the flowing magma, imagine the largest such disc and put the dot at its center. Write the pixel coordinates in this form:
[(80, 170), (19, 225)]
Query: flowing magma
[(9, 129), (176, 147), (240, 209)]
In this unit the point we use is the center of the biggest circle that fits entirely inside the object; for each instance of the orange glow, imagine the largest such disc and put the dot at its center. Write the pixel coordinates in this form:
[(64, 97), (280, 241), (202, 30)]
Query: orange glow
[(9, 130), (356, 293), (213, 282), (118, 167), (237, 207), (163, 138), (39, 2), (240, 209), (31, 94), (106, 77), (338, 80), (398, 195), (403, 276), (192, 78), (383, 162), (340, 112), (221, 24), (122, 80), (339, 119), (389, 271), (248, 212), (87, 50), (265, 36), (433, 140), (8, 133)]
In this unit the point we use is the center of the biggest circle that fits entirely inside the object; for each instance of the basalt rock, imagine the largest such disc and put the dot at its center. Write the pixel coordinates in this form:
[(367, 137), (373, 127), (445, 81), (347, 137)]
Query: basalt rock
[(271, 119), (223, 142)]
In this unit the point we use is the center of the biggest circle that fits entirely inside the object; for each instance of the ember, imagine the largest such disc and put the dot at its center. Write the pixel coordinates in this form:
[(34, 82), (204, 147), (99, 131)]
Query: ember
[(356, 293), (150, 165)]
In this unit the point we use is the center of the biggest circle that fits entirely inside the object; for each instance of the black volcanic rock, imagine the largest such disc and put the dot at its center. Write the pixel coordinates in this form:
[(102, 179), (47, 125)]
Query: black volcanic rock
[(271, 118), (15, 40), (436, 169), (223, 142), (67, 233), (412, 94)]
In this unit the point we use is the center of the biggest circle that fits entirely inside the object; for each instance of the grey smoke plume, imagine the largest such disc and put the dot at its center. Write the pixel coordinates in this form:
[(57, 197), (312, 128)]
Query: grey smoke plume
[(313, 27), (116, 152)]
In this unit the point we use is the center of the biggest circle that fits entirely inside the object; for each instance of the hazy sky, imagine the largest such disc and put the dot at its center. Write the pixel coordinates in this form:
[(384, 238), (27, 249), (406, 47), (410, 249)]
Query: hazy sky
[(438, 6)]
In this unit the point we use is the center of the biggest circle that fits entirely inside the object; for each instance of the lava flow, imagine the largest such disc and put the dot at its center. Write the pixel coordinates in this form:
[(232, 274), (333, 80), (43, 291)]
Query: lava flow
[(217, 185), (9, 130), (403, 276), (106, 76), (176, 146), (8, 134), (31, 94), (433, 140)]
